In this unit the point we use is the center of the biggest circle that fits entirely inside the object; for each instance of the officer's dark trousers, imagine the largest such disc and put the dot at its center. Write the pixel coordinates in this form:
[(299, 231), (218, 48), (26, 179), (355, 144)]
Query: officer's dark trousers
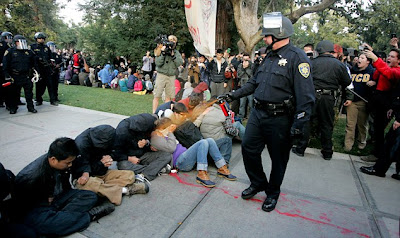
[(380, 102), (2, 90), (322, 118), (45, 81), (390, 153), (273, 131), (14, 92), (67, 214), (54, 84)]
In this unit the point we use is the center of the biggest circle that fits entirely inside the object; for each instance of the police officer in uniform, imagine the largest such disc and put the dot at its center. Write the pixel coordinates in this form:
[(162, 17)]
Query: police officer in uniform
[(283, 98), (6, 41), (17, 62), (56, 62), (328, 75), (43, 57)]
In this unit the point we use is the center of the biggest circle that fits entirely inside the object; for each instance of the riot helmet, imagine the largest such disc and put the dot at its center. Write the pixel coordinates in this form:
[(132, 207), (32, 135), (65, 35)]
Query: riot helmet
[(325, 46), (52, 46), (7, 37), (40, 35), (276, 25), (20, 42)]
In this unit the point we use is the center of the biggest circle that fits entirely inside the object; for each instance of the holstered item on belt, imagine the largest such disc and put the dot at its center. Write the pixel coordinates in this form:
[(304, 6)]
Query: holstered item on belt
[(273, 109), (326, 92)]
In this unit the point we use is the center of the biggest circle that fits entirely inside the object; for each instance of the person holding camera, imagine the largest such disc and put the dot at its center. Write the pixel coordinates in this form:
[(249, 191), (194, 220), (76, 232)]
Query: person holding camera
[(194, 71), (245, 72), (217, 67), (168, 59)]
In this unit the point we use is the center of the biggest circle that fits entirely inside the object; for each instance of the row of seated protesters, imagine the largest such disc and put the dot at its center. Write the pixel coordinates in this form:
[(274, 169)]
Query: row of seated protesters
[(143, 146)]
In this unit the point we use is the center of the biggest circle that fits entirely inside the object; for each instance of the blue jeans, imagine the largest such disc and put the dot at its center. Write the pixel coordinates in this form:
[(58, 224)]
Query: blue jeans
[(225, 147), (242, 108), (197, 153), (241, 128), (67, 214)]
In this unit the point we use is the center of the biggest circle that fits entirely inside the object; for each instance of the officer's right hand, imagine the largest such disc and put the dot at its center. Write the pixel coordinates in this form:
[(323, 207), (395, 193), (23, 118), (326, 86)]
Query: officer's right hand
[(227, 97)]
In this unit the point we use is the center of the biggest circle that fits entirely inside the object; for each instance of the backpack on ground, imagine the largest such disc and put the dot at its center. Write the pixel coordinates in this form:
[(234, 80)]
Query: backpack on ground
[(138, 86)]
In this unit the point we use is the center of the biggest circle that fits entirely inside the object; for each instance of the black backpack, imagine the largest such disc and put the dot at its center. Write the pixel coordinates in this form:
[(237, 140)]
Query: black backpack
[(187, 134)]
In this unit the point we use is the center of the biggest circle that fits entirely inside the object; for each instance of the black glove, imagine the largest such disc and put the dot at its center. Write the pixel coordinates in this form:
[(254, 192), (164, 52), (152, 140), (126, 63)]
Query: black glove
[(295, 135), (227, 97)]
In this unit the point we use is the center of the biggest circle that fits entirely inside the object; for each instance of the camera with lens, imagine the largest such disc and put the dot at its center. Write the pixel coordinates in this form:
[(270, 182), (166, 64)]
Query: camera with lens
[(169, 45)]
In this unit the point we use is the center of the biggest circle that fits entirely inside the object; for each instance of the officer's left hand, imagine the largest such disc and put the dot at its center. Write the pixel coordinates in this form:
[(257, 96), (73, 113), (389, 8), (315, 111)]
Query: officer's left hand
[(295, 134)]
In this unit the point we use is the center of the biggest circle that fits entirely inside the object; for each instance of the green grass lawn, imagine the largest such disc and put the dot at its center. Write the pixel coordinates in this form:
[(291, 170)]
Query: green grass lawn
[(113, 101)]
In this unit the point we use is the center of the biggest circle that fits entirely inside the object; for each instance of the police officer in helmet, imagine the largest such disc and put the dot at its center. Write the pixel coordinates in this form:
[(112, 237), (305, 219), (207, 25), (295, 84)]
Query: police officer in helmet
[(283, 97), (56, 62), (6, 41), (17, 63), (43, 57), (329, 75)]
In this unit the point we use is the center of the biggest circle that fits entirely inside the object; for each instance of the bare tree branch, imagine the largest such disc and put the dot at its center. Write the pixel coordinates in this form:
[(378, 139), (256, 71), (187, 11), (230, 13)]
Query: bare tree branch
[(295, 16)]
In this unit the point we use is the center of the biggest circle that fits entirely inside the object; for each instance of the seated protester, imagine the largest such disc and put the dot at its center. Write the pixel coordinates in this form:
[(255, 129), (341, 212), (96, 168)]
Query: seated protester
[(133, 150), (105, 75), (82, 76), (75, 78), (192, 101), (188, 90), (185, 159), (131, 80), (148, 84), (176, 107), (68, 75), (45, 198), (91, 167), (7, 226), (122, 83)]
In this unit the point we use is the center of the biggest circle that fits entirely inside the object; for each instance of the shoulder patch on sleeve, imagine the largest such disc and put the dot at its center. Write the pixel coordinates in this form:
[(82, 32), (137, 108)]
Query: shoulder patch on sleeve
[(304, 69)]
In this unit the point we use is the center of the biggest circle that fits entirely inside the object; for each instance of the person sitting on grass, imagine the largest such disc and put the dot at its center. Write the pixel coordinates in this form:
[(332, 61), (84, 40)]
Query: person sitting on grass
[(123, 83), (44, 196), (184, 159), (91, 169)]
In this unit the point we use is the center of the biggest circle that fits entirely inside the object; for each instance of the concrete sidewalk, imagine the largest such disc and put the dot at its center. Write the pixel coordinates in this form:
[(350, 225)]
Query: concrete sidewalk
[(319, 198)]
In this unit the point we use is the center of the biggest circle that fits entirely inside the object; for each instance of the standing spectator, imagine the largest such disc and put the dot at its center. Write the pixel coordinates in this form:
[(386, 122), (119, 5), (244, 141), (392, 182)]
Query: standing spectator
[(166, 64), (357, 114), (384, 78), (204, 76), (147, 64), (245, 73), (77, 60), (216, 67), (194, 71)]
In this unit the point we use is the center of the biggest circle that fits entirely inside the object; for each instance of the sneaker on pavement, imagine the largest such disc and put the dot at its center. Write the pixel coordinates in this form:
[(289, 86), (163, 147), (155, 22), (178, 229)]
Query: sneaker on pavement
[(100, 211), (138, 188), (166, 170), (139, 178), (362, 146)]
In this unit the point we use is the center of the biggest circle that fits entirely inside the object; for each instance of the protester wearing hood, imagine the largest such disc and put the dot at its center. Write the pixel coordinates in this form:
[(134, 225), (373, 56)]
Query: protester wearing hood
[(188, 90), (91, 169), (105, 75), (357, 114), (216, 67), (133, 150)]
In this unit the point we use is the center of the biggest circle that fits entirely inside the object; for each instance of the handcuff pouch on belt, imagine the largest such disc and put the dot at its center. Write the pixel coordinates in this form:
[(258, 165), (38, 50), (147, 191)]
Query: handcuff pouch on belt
[(276, 109), (319, 92)]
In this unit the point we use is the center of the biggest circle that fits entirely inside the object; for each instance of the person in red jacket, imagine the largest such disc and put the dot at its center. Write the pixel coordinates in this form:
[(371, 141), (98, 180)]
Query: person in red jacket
[(385, 78), (77, 59)]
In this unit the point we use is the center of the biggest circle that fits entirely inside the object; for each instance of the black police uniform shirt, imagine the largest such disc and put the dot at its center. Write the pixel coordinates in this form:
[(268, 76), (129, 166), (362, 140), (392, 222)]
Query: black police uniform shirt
[(3, 47), (18, 62), (329, 73), (42, 53), (284, 73), (57, 61)]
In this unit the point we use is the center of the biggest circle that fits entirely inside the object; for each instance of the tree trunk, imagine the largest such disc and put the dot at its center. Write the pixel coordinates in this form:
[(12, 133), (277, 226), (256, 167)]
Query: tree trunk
[(224, 16)]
